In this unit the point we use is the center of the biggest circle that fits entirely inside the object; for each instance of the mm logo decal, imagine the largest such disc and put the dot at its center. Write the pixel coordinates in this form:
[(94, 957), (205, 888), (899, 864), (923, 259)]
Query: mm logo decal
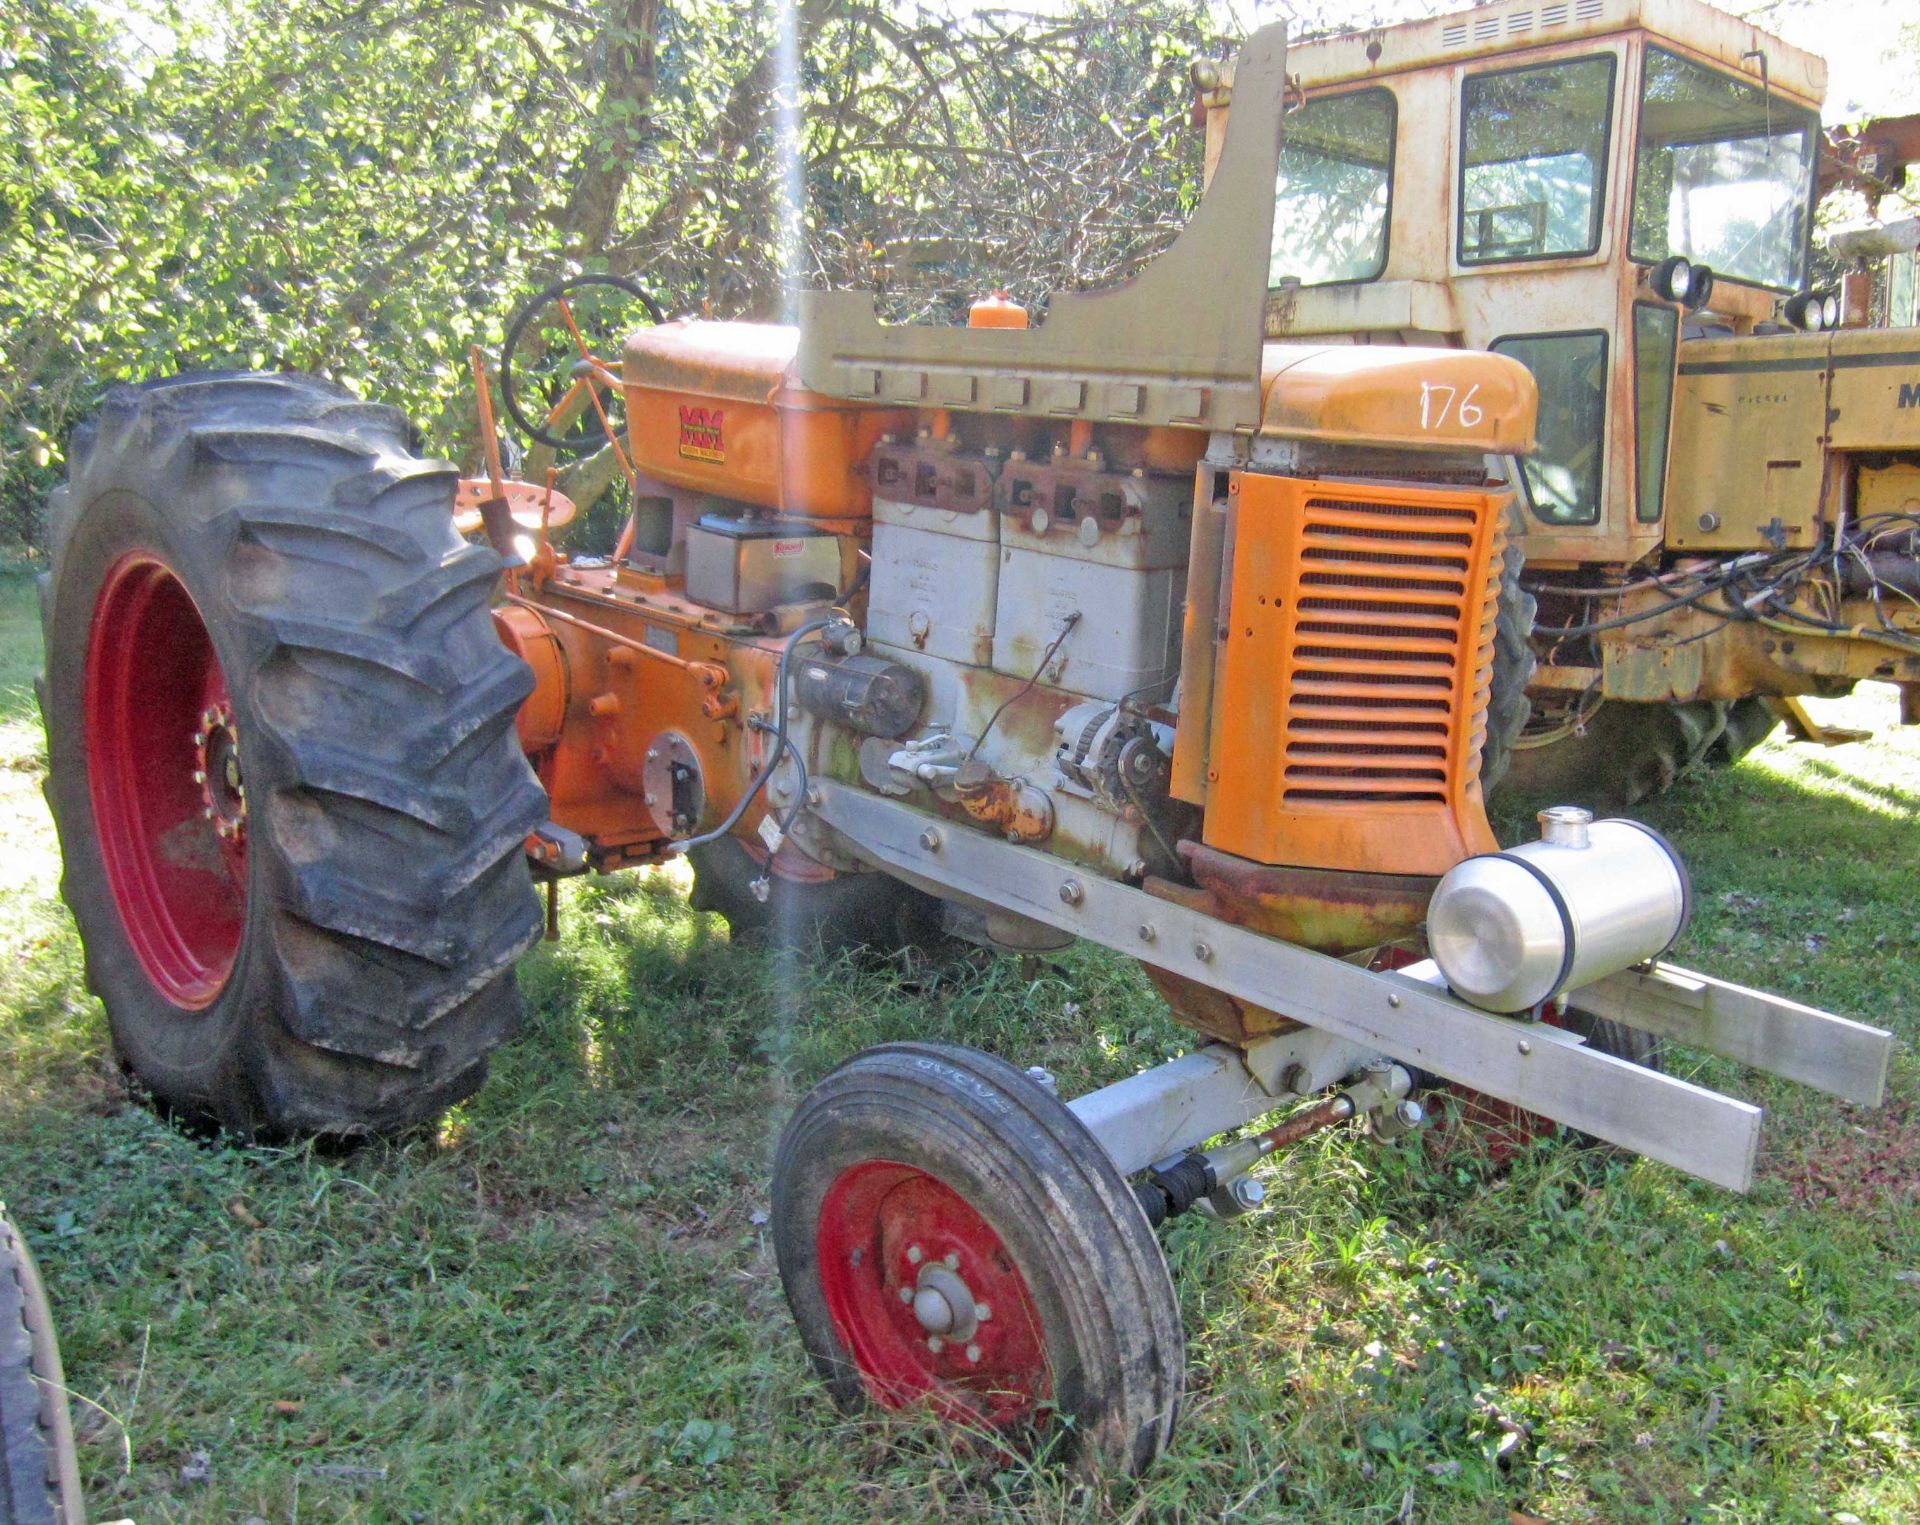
[(703, 434), (1909, 395)]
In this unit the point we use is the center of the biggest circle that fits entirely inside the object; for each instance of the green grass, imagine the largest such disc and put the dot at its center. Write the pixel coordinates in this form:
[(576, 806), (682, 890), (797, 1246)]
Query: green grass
[(563, 1305)]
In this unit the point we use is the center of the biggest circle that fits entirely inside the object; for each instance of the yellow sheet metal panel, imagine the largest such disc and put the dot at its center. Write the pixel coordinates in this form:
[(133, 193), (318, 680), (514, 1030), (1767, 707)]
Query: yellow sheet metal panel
[(1876, 389), (1748, 420), (1490, 30)]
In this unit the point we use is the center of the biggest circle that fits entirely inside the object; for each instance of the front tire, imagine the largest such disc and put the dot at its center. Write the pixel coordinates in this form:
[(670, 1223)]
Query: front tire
[(290, 800), (39, 1473), (922, 1184)]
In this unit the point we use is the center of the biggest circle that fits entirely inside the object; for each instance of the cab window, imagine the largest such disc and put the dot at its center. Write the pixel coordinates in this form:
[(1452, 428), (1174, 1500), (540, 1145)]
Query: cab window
[(1533, 160), (1562, 476), (1723, 174), (1335, 183), (1656, 330)]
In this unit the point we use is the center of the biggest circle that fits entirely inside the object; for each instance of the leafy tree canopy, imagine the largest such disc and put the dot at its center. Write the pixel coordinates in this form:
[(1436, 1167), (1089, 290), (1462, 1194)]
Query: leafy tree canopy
[(362, 188)]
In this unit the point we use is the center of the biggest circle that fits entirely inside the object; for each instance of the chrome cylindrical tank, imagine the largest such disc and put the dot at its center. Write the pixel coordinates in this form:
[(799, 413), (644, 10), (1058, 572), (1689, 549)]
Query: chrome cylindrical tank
[(1588, 899)]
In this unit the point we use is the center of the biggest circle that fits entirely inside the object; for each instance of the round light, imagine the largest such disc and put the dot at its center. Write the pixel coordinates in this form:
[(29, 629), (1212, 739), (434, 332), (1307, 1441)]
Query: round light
[(1699, 287), (1673, 279), (1830, 310)]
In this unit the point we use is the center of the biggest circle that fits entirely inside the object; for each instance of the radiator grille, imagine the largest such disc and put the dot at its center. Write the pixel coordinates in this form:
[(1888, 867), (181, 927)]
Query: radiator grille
[(1355, 655), (1388, 614)]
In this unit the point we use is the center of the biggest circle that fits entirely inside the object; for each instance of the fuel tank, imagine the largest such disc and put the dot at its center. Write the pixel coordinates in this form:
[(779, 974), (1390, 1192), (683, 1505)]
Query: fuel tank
[(717, 407)]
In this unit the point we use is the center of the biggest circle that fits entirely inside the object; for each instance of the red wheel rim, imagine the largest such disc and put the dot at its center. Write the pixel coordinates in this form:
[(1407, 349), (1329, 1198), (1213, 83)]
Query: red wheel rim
[(887, 1230), (163, 764)]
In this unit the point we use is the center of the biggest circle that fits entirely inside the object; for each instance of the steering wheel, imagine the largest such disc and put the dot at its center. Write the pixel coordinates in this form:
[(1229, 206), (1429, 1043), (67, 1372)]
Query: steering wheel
[(533, 367)]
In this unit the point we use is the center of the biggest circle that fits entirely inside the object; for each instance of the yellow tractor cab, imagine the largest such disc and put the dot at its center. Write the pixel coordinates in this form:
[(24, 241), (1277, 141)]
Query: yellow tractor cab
[(1620, 194)]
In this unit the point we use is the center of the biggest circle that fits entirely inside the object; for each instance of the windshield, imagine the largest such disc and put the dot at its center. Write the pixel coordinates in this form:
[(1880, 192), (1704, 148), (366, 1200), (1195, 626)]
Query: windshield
[(1336, 172), (1534, 160), (1724, 174)]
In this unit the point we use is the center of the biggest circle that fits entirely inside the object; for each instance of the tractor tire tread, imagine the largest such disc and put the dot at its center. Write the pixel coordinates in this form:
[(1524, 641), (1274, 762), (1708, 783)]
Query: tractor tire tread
[(381, 705)]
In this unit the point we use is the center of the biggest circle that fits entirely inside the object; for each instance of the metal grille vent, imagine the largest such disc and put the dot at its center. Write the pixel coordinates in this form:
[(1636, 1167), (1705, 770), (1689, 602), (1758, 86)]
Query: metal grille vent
[(1385, 619)]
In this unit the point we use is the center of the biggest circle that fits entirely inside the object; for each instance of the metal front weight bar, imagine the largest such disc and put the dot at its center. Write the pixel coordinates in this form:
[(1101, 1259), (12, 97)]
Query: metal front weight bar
[(1540, 1068)]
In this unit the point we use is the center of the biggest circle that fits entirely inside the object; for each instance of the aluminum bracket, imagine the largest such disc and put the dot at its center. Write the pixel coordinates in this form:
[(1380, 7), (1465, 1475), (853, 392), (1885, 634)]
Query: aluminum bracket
[(1533, 1066), (1768, 1032)]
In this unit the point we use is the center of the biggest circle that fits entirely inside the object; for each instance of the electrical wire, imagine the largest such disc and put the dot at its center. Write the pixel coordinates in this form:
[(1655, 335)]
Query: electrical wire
[(781, 745), (1066, 629)]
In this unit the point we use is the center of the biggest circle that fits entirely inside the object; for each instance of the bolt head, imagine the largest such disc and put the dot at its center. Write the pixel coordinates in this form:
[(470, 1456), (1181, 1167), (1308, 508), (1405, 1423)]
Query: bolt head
[(1203, 952), (930, 840), (1147, 932), (1525, 1046), (199, 777), (1071, 892)]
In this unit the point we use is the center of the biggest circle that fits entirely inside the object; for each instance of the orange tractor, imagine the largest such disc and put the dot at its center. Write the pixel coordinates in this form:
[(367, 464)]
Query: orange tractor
[(1126, 627)]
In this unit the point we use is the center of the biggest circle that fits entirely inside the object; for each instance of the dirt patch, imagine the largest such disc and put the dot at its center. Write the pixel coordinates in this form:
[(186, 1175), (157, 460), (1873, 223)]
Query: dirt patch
[(1867, 1162)]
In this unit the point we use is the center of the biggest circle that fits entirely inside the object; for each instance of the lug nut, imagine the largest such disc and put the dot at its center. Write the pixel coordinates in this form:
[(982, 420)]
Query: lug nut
[(973, 1353), (981, 1313), (915, 1254), (953, 1262), (906, 1294), (936, 1344)]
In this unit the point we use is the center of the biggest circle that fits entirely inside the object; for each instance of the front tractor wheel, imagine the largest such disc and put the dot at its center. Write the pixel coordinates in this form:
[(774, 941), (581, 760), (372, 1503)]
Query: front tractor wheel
[(283, 768), (950, 1236)]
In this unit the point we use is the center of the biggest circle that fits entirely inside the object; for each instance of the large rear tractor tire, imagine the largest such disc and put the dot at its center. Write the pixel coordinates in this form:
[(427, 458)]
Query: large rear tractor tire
[(39, 1473), (290, 799), (1508, 707), (950, 1235)]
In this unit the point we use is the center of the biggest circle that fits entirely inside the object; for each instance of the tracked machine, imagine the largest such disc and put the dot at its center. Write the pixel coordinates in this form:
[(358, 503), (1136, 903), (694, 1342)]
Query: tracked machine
[(1125, 627), (1722, 511)]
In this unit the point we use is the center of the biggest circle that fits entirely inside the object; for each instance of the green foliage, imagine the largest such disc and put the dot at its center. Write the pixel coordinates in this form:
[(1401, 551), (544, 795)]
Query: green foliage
[(362, 188)]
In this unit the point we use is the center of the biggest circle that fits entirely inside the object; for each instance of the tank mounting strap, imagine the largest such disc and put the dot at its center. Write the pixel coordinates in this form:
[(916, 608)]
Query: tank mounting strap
[(1534, 1066)]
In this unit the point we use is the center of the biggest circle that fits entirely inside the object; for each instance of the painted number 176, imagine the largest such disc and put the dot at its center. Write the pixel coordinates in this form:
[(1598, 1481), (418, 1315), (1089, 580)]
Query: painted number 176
[(1437, 400)]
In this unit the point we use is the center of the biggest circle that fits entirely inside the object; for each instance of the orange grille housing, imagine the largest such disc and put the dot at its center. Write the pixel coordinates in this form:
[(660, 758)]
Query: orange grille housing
[(1354, 670)]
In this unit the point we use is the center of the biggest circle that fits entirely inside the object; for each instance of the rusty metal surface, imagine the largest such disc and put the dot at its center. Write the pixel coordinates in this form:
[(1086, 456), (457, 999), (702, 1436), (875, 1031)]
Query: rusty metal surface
[(1331, 910)]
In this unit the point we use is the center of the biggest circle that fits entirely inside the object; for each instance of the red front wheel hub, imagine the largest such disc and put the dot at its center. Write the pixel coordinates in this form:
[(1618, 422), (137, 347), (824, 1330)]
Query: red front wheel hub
[(163, 767), (926, 1299)]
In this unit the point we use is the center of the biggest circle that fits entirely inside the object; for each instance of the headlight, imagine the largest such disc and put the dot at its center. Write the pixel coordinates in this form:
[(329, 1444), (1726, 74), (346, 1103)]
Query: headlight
[(1677, 279)]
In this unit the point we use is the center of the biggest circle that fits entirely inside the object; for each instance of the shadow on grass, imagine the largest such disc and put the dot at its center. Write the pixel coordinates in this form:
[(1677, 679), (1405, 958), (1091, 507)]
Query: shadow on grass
[(574, 1267)]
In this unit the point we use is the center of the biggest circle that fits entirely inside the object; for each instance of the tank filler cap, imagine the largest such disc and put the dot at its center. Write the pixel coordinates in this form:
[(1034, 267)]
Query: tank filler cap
[(1566, 825)]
